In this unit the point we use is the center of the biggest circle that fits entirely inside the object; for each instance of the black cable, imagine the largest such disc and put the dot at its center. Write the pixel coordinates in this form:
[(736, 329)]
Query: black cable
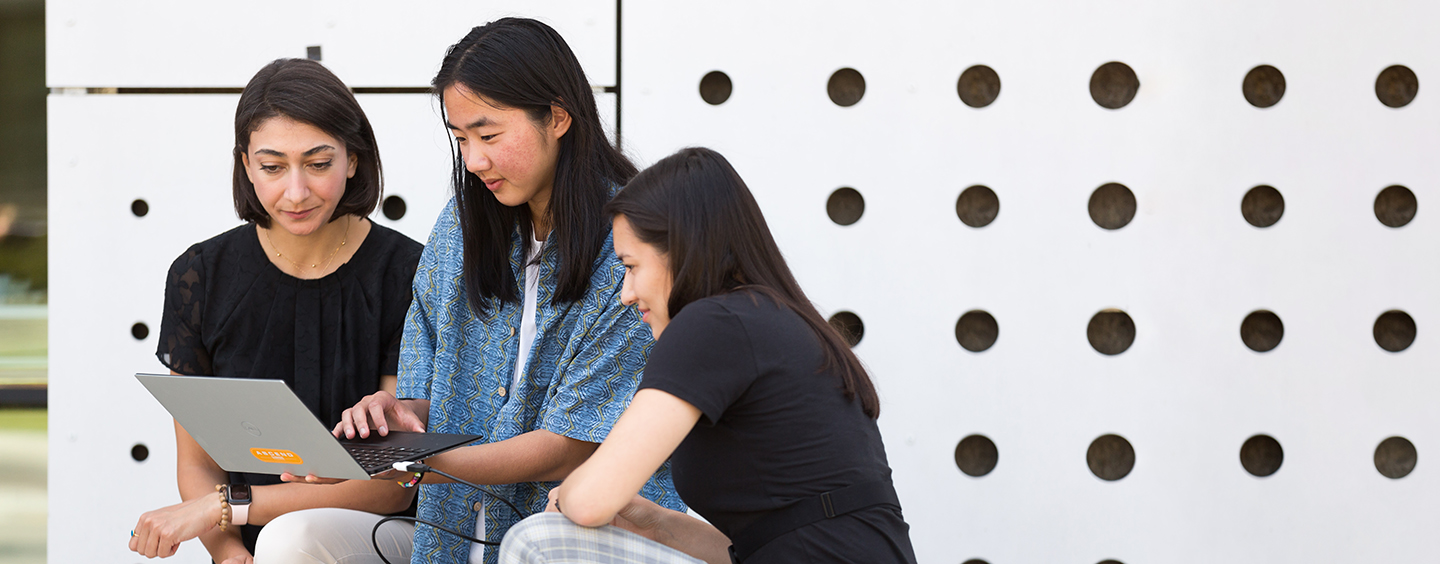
[(421, 469), (375, 540)]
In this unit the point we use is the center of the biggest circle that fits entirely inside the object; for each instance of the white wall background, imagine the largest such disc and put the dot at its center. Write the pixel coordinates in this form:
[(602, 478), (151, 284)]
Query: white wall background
[(1187, 269)]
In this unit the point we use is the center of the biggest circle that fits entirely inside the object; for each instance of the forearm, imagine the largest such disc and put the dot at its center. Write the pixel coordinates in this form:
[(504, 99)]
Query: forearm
[(198, 480), (374, 496), (644, 437), (694, 537), (537, 456)]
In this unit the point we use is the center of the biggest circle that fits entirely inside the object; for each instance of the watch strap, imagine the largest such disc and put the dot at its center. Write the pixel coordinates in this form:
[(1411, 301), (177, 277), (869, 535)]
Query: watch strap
[(239, 514)]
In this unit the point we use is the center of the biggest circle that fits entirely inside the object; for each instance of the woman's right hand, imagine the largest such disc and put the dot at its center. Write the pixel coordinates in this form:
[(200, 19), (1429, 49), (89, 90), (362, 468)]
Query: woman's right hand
[(378, 411), (160, 532)]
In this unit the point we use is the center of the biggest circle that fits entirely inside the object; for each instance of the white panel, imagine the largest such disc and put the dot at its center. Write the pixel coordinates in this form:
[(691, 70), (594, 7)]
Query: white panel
[(174, 43), (1188, 268), (607, 105), (107, 271), (415, 151)]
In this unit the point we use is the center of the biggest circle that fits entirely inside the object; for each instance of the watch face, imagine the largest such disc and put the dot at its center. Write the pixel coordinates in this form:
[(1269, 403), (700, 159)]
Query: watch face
[(239, 493)]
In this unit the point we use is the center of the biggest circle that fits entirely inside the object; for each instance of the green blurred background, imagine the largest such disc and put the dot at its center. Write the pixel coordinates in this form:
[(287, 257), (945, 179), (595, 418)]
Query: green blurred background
[(23, 282)]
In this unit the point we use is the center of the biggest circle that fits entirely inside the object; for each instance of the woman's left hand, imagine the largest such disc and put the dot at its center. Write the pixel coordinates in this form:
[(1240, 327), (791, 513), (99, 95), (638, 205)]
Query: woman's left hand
[(160, 532), (393, 475), (642, 517), (242, 559), (309, 479)]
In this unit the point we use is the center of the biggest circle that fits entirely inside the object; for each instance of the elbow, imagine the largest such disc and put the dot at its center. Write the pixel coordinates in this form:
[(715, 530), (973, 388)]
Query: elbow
[(587, 514)]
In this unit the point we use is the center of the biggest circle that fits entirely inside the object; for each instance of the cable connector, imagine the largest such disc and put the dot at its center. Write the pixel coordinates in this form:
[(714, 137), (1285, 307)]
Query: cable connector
[(407, 466)]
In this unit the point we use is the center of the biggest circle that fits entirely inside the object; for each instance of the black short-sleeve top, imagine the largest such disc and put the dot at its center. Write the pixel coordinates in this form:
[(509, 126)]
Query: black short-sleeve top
[(774, 429), (230, 312)]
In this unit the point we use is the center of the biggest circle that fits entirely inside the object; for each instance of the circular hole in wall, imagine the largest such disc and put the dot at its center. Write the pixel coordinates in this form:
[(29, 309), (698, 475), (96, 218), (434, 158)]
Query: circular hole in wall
[(1261, 455), (846, 87), (1395, 457), (976, 455), (1262, 330), (1262, 206), (1394, 330), (1111, 331), (139, 208), (393, 207), (849, 326), (976, 561), (1110, 457), (1264, 86), (139, 452), (977, 206), (845, 206), (715, 88), (977, 330), (1114, 85), (1395, 206), (979, 86), (1111, 562), (1112, 206), (1397, 86), (139, 331)]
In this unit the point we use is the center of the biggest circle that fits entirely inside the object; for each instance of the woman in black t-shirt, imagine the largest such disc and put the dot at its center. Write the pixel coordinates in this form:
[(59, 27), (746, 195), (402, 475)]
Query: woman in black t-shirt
[(308, 291), (767, 416)]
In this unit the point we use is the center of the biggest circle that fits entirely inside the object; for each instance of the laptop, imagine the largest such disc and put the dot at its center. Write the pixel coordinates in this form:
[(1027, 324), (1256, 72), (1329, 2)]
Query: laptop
[(260, 426)]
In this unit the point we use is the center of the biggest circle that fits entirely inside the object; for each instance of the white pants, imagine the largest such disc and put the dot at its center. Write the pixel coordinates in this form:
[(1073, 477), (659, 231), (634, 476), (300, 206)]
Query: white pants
[(332, 536)]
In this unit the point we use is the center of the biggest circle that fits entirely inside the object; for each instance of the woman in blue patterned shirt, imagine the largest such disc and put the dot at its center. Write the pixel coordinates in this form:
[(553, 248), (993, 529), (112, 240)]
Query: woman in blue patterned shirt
[(517, 332)]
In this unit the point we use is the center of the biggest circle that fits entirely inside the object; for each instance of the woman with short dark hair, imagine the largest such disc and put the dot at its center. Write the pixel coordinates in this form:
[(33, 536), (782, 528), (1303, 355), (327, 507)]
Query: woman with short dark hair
[(307, 290), (765, 414)]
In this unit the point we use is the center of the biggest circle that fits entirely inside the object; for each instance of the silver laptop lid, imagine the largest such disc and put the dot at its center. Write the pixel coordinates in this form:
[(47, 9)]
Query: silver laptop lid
[(250, 425)]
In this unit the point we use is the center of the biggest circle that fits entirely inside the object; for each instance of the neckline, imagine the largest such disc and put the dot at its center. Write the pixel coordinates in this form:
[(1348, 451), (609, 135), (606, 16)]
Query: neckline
[(361, 254)]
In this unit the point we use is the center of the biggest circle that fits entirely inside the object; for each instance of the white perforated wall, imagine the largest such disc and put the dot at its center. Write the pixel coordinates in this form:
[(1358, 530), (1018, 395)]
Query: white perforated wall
[(1188, 269)]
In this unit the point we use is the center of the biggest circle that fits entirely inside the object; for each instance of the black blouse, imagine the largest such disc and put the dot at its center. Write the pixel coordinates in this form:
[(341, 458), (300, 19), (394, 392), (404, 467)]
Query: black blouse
[(230, 312), (773, 429)]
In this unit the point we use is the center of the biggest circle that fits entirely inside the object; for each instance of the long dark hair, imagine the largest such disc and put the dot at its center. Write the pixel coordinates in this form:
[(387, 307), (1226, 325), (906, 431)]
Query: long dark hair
[(524, 64), (693, 207), (305, 91)]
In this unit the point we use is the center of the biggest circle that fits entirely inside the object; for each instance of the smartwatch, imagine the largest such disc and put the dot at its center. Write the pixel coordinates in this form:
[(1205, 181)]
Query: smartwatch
[(238, 496)]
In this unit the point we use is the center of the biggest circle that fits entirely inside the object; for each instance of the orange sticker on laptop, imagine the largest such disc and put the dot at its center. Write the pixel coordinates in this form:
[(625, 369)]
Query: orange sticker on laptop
[(278, 456)]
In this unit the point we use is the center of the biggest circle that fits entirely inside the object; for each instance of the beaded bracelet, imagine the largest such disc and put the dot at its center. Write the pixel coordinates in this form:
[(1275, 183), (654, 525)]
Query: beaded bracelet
[(222, 489), (413, 480)]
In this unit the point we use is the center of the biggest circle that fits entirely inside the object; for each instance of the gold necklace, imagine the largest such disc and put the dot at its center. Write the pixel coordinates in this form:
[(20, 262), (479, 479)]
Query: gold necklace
[(300, 266)]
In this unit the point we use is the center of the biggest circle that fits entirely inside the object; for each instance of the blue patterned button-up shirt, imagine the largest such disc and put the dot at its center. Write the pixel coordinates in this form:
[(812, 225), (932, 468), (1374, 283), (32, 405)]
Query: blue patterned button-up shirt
[(582, 370)]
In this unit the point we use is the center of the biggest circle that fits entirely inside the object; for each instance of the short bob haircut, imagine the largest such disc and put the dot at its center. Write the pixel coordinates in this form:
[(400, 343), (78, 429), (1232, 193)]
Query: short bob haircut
[(693, 208), (305, 91)]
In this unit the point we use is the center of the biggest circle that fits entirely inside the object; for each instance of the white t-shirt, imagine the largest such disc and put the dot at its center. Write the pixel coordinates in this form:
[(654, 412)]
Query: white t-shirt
[(527, 338)]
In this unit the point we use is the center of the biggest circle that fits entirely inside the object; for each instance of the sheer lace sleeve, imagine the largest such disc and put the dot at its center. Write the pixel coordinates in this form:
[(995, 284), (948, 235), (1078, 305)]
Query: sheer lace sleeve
[(181, 347)]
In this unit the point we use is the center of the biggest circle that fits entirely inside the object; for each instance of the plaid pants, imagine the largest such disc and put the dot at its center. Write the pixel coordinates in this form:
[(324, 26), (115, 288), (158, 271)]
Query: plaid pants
[(551, 538)]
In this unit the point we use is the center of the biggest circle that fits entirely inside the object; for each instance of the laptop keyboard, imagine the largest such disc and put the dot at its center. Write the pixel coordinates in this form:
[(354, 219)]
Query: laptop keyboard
[(372, 456)]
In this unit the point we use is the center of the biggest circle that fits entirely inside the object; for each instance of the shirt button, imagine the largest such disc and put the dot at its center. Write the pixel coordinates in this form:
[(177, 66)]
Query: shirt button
[(512, 331), (479, 506), (502, 391)]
